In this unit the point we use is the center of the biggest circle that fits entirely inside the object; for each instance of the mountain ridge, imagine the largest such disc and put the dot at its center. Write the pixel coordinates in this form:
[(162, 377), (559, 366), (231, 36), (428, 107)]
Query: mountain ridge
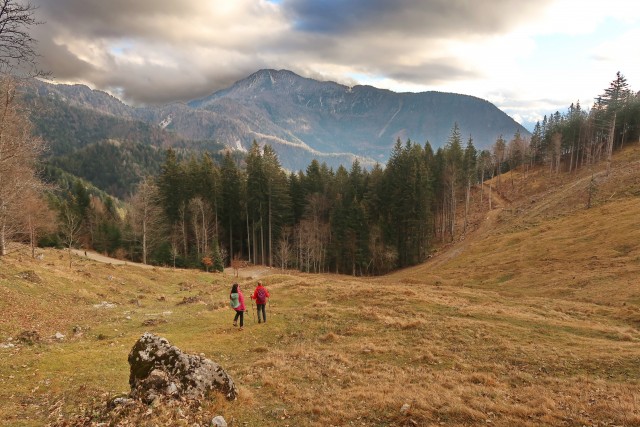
[(305, 119), (327, 115)]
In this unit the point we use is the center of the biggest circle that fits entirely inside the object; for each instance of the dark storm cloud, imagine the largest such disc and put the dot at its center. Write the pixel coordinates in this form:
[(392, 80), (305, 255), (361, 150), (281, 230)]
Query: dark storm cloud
[(113, 18), (426, 17), (54, 56)]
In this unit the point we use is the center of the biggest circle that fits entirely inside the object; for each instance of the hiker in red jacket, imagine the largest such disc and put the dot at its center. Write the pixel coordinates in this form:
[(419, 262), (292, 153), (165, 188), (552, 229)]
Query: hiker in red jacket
[(260, 295)]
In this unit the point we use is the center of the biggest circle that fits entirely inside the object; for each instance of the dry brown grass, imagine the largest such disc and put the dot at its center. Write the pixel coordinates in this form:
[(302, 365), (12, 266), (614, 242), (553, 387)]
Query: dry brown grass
[(533, 319)]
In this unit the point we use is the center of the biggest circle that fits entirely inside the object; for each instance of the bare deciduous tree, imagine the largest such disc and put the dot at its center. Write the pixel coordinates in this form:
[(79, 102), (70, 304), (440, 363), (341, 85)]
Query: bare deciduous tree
[(19, 151), (37, 218), (17, 47), (145, 216), (284, 249), (70, 225)]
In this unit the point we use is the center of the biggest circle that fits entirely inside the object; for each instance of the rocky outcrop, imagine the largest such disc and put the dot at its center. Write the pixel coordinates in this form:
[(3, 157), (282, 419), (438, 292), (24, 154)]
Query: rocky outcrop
[(159, 369)]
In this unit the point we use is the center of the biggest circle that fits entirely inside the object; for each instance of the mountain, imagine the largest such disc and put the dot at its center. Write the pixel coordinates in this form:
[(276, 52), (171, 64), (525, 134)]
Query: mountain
[(94, 136), (363, 120), (301, 118)]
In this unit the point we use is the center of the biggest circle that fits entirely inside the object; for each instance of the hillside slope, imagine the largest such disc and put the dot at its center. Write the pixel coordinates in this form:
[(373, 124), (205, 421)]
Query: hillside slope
[(532, 319), (544, 241)]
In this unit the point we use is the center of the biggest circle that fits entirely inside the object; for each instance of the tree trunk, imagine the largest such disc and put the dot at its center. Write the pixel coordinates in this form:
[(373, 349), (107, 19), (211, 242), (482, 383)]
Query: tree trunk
[(144, 241), (262, 262), (489, 196), (32, 237), (3, 242), (248, 232), (466, 206), (610, 144), (270, 233), (230, 239)]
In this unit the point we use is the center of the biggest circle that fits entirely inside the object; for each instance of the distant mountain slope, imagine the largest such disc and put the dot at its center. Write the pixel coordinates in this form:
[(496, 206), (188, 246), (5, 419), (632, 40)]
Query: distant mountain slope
[(94, 136), (363, 120), (113, 166), (302, 119)]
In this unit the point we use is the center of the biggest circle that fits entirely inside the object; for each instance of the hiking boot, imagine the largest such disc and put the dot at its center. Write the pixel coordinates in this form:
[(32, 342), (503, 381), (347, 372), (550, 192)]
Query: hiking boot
[(241, 328), (259, 321), (235, 323)]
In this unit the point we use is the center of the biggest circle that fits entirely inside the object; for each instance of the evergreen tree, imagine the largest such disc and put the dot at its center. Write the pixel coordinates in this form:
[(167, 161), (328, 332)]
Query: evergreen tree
[(278, 198), (453, 178), (171, 187), (231, 217), (469, 171), (257, 202)]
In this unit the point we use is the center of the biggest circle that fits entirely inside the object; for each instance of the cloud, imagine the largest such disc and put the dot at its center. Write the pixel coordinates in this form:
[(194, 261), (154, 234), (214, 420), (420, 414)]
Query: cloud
[(439, 18), (158, 51), (155, 51)]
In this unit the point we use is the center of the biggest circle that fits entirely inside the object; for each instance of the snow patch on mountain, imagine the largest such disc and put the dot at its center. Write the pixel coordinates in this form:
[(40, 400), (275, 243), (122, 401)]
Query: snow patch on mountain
[(165, 122)]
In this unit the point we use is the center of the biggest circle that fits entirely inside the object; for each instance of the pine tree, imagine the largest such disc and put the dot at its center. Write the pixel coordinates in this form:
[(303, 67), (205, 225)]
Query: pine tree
[(218, 263), (256, 201), (231, 215), (469, 170), (453, 177), (278, 199)]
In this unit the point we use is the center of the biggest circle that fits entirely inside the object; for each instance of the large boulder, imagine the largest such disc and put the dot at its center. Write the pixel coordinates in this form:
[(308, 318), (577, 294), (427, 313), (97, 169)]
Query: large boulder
[(161, 369)]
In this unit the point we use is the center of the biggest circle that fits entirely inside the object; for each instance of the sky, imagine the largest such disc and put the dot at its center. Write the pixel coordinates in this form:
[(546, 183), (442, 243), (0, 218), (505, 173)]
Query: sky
[(528, 57)]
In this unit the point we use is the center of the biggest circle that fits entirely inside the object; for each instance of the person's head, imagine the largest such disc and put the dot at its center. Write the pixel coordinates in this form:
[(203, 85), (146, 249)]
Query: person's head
[(234, 288), (259, 283)]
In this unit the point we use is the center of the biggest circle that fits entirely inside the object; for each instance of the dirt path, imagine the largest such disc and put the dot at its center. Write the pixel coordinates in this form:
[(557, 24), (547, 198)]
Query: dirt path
[(252, 271), (107, 260), (245, 272), (498, 204)]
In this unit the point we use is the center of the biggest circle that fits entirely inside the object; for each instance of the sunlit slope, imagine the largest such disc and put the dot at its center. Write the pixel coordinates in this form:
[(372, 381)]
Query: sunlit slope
[(542, 240)]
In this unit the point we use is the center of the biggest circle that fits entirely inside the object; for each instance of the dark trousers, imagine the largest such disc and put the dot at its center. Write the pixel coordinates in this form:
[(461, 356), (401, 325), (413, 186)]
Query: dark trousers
[(264, 313), (239, 314)]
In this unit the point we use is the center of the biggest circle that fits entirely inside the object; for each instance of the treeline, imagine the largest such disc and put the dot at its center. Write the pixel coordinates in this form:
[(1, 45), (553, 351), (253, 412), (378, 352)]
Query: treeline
[(578, 138), (319, 220), (211, 211)]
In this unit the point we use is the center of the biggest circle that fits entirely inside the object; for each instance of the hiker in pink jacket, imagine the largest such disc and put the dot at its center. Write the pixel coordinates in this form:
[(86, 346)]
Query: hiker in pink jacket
[(237, 303)]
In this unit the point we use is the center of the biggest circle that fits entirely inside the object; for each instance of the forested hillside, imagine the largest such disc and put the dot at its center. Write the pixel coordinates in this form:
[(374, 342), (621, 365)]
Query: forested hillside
[(113, 152), (361, 221), (532, 319)]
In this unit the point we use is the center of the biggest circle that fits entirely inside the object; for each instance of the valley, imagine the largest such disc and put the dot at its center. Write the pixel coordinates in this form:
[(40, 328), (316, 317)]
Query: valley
[(533, 318)]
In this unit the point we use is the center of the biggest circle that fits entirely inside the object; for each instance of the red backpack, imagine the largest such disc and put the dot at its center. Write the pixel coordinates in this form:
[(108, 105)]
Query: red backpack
[(261, 296)]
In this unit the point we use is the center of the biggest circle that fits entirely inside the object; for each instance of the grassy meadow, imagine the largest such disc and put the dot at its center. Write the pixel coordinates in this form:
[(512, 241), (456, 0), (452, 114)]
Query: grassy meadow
[(531, 319)]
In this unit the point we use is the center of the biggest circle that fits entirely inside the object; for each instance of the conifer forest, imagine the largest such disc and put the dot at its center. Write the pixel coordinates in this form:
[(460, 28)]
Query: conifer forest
[(217, 209)]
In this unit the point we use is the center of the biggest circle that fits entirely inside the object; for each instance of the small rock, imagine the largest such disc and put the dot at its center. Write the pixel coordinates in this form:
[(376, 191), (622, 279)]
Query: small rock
[(190, 300), (7, 345), (153, 322), (218, 421), (120, 401), (59, 336), (105, 304), (172, 389), (30, 276), (405, 409), (28, 337)]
